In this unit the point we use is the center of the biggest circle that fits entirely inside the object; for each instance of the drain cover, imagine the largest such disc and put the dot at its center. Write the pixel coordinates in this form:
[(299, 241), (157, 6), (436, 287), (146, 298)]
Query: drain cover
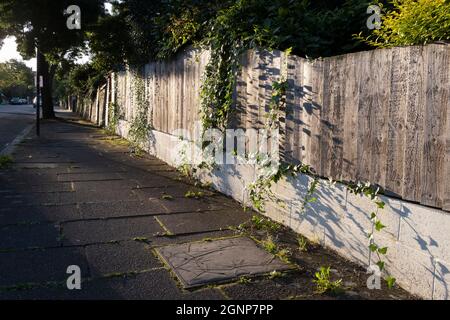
[(201, 263)]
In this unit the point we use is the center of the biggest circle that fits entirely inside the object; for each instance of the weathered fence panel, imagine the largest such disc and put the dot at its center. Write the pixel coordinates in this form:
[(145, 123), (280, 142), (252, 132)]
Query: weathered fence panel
[(380, 116)]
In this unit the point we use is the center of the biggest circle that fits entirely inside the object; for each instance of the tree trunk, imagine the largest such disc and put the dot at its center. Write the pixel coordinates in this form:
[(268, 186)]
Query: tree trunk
[(47, 72)]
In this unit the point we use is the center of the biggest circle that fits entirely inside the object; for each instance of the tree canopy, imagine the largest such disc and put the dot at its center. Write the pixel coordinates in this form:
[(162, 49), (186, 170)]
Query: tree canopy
[(16, 79), (42, 24)]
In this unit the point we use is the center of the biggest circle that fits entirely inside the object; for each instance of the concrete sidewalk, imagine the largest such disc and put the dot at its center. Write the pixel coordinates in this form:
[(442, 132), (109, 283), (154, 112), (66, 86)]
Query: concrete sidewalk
[(76, 196)]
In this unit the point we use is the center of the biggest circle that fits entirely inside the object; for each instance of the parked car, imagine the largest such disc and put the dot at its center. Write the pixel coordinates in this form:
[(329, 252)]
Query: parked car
[(15, 100), (23, 101)]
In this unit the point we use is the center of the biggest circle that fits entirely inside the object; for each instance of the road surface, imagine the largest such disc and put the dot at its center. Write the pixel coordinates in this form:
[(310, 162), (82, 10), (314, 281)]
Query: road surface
[(13, 120)]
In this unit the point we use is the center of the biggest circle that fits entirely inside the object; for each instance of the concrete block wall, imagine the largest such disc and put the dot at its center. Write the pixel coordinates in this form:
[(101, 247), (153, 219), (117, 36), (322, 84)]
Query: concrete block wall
[(417, 237)]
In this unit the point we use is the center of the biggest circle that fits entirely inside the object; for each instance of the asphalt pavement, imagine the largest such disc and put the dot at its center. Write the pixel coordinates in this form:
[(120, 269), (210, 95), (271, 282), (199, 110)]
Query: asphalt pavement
[(13, 120)]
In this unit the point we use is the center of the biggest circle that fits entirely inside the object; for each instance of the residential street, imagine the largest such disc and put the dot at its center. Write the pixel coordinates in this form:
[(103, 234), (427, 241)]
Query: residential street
[(77, 196), (14, 119)]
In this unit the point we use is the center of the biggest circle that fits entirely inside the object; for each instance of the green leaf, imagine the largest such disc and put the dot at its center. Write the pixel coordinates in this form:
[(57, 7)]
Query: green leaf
[(382, 250), (373, 215), (379, 225), (380, 204), (380, 265), (390, 282), (373, 247)]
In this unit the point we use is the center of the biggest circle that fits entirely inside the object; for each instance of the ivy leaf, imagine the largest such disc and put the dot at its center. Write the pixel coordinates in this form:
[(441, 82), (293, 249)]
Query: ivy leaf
[(314, 199), (380, 265), (380, 204), (379, 225), (390, 282), (373, 215), (373, 247), (382, 250)]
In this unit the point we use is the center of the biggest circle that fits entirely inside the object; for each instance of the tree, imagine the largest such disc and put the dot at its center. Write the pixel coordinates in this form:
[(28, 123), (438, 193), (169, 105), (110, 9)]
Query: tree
[(42, 24), (16, 79)]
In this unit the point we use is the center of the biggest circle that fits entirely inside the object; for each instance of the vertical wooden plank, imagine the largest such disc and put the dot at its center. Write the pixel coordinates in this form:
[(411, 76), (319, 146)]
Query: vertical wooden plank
[(164, 95), (293, 103), (446, 175), (337, 117), (305, 112), (252, 90), (263, 60), (396, 122), (351, 98), (180, 88), (329, 76), (158, 106), (414, 133), (297, 125), (365, 103), (433, 183), (241, 98), (190, 91), (378, 122), (314, 107), (172, 98)]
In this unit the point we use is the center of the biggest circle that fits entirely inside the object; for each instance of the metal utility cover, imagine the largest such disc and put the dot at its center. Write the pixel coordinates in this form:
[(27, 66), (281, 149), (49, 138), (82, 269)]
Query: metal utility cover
[(202, 263)]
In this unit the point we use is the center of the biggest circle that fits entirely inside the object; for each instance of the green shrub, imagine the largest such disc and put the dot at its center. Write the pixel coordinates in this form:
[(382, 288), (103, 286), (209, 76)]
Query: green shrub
[(412, 22)]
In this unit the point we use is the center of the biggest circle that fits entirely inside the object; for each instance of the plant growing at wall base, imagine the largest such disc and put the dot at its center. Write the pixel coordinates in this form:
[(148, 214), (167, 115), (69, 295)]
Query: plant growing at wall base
[(323, 282), (113, 117), (367, 190), (140, 125)]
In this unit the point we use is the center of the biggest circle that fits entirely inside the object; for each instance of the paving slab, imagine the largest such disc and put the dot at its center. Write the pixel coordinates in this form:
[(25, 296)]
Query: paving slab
[(115, 185), (105, 195), (29, 236), (89, 176), (38, 266), (126, 256), (101, 231), (41, 187), (31, 214), (288, 286), (152, 285), (193, 222), (111, 209), (179, 205), (175, 191), (147, 179), (183, 238), (203, 263), (40, 198)]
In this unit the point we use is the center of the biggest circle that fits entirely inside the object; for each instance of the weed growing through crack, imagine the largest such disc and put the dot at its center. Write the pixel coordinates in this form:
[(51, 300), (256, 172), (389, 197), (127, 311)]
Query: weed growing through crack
[(244, 280), (166, 197), (194, 194), (302, 243), (262, 223), (323, 282), (140, 239), (275, 274), (269, 245)]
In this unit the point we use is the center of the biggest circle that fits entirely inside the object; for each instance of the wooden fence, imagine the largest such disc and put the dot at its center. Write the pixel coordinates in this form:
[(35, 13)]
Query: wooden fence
[(381, 116)]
